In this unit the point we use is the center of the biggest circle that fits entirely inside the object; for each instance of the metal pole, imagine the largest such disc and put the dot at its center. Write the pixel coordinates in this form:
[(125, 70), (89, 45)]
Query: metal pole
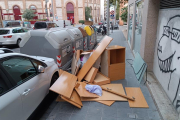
[(52, 9), (108, 17), (115, 13)]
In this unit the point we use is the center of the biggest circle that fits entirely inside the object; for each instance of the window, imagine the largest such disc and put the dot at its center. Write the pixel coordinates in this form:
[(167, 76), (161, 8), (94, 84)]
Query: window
[(3, 32), (40, 25), (18, 30), (4, 84), (20, 69)]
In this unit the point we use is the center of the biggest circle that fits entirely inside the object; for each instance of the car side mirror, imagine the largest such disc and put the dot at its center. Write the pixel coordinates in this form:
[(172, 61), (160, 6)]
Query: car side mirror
[(41, 69)]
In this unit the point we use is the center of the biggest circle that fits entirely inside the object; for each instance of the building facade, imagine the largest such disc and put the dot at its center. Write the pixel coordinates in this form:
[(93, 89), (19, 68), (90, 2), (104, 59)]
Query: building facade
[(154, 32), (73, 10), (122, 4)]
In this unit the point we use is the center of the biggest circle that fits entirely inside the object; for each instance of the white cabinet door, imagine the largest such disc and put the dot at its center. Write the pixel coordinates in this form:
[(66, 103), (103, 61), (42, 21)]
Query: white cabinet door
[(11, 106)]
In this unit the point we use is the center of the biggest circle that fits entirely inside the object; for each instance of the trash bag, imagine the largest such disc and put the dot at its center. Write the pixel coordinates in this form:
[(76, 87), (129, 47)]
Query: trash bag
[(94, 89)]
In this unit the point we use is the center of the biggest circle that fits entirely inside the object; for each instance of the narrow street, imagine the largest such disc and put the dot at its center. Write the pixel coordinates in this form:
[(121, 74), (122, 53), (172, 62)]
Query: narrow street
[(98, 111)]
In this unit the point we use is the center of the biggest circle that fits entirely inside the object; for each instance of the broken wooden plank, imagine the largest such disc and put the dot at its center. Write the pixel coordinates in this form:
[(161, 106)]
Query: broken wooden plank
[(64, 85), (113, 91), (74, 99), (109, 96), (59, 99), (101, 79), (92, 59), (91, 75), (140, 101), (108, 103), (81, 90)]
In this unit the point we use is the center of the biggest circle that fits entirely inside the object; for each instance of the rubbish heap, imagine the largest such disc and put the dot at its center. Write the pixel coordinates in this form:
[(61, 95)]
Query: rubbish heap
[(93, 71)]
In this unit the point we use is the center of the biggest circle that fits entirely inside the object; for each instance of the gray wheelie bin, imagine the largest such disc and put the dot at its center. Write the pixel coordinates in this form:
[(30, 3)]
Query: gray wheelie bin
[(95, 33), (56, 44), (76, 37), (90, 44)]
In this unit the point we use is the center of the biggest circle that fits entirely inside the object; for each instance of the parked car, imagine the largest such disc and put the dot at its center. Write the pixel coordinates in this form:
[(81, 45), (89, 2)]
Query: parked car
[(61, 23), (11, 36), (100, 23), (43, 25), (5, 50), (24, 83), (11, 23)]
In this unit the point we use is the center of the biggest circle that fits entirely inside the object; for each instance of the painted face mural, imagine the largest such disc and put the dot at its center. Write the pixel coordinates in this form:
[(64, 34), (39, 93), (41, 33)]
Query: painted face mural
[(168, 53)]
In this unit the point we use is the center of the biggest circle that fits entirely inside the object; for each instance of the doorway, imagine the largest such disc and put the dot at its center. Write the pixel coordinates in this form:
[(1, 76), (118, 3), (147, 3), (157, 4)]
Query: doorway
[(70, 12), (17, 12)]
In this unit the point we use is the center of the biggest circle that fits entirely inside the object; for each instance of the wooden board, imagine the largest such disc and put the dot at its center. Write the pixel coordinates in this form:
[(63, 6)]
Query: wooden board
[(59, 99), (64, 85), (140, 101), (108, 103), (101, 79), (81, 90), (91, 75), (73, 99), (60, 72), (69, 101), (92, 59), (117, 71), (109, 96)]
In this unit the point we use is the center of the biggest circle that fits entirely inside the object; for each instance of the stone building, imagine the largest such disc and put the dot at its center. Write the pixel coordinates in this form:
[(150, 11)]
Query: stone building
[(73, 10)]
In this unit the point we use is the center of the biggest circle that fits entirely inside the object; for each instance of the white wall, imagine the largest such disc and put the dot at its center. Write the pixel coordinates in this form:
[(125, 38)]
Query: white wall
[(167, 54)]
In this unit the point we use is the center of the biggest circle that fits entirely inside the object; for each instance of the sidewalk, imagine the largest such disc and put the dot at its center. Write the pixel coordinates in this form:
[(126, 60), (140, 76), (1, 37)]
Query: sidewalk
[(119, 110)]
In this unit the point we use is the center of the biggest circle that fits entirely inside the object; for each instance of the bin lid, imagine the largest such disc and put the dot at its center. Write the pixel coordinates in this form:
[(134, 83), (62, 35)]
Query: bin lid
[(60, 36), (75, 33), (88, 30), (82, 31)]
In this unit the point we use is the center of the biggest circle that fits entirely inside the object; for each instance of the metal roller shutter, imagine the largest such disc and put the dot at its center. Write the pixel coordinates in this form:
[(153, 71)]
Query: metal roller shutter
[(169, 4)]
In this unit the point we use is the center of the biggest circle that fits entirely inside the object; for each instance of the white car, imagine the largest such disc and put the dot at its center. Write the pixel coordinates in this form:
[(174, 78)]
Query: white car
[(11, 36), (24, 83)]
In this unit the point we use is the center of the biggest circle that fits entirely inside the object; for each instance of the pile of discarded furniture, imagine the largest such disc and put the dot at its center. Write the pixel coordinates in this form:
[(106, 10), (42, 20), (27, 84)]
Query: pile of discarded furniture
[(97, 68)]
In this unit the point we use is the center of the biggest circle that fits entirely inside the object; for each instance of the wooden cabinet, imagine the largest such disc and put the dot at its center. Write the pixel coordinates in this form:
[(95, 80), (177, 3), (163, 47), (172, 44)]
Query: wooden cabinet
[(113, 62)]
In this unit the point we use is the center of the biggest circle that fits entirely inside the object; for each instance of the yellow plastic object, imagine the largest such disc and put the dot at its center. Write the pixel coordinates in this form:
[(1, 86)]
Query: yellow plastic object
[(92, 29), (88, 30)]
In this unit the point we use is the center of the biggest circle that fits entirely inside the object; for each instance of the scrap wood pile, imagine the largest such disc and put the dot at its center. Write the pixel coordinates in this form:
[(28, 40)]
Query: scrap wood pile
[(93, 81)]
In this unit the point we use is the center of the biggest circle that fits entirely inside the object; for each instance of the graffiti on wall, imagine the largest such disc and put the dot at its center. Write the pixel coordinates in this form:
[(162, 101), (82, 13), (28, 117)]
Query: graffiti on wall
[(168, 56)]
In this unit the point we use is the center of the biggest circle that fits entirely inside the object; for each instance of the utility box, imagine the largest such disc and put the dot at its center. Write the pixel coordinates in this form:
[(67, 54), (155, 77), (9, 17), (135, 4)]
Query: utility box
[(113, 62)]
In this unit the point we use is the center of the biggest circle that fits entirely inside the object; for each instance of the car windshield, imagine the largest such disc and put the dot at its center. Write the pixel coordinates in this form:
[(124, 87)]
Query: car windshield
[(3, 32), (40, 25)]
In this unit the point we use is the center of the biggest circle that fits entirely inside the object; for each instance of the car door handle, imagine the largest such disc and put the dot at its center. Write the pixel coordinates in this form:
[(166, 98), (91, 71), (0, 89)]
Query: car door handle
[(26, 91)]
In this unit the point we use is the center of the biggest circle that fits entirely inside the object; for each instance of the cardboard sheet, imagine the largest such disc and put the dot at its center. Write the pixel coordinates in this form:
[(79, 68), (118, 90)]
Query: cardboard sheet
[(140, 101), (91, 75), (100, 79), (64, 85), (81, 90), (92, 59), (109, 96), (108, 103)]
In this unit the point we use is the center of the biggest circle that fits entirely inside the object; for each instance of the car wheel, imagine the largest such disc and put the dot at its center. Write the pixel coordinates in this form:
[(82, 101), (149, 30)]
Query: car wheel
[(54, 78), (18, 42)]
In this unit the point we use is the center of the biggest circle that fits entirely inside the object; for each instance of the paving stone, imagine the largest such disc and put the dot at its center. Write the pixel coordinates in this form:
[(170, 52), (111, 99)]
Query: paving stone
[(95, 104), (94, 111), (85, 103), (77, 117), (109, 112), (62, 116), (109, 118), (82, 111), (122, 105), (91, 117), (141, 113), (123, 113), (153, 115), (66, 108)]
